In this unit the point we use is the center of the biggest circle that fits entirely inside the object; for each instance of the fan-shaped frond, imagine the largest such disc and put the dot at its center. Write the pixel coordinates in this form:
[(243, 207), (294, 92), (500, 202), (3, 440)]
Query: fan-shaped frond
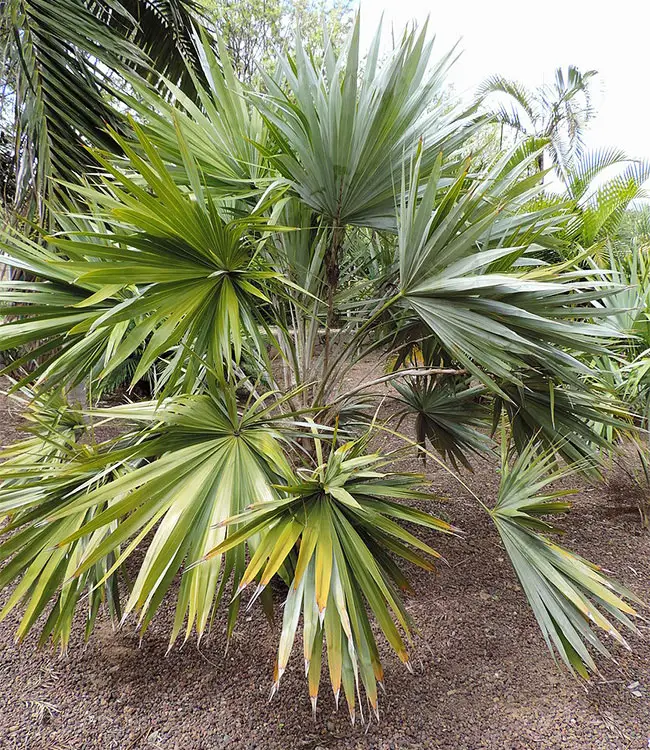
[(345, 522), (569, 596)]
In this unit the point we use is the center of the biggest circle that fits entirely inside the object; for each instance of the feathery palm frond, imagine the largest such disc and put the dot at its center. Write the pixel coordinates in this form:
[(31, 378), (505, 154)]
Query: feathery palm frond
[(558, 112), (601, 213), (590, 166), (70, 58), (520, 96), (165, 31)]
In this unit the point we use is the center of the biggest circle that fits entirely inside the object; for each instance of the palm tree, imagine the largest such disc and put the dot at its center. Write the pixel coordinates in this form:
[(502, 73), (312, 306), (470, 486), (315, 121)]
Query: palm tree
[(557, 112), (209, 252), (602, 198)]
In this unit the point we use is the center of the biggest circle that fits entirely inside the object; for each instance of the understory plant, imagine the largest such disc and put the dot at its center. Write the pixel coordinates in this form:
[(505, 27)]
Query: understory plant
[(244, 250)]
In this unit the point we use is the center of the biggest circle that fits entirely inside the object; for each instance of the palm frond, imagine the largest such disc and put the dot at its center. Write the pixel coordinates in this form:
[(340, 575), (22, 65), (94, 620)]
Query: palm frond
[(344, 521), (589, 167), (520, 95), (71, 58), (165, 31), (150, 265), (602, 211), (223, 132), (494, 324), (448, 414), (341, 131), (576, 422), (199, 461), (569, 596)]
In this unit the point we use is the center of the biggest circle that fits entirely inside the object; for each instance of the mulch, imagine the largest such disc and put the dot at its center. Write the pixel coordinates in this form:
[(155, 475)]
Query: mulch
[(483, 677)]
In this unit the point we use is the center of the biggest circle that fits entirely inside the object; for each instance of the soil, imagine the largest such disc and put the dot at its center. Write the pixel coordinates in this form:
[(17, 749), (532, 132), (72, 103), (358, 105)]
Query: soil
[(483, 676)]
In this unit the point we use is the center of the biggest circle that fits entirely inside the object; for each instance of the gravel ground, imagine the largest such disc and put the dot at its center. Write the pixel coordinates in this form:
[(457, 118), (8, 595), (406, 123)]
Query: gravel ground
[(483, 677)]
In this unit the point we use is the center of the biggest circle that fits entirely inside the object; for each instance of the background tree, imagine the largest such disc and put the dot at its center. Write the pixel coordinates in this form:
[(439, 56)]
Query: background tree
[(254, 30), (558, 112)]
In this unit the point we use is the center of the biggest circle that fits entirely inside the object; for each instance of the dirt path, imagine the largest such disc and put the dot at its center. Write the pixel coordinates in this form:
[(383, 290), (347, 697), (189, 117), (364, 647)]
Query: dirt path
[(483, 677)]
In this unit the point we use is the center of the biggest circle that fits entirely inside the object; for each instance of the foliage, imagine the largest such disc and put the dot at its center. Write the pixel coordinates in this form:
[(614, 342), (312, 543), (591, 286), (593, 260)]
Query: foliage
[(558, 111), (69, 59), (243, 247), (602, 197), (254, 30), (448, 414), (344, 518), (76, 528), (567, 593)]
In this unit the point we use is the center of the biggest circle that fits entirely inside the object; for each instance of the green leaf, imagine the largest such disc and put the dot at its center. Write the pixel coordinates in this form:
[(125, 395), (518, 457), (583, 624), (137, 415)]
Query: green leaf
[(570, 597)]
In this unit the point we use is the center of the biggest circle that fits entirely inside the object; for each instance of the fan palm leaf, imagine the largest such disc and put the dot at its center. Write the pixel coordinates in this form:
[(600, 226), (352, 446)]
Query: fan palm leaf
[(447, 413), (151, 265), (497, 322), (577, 423), (570, 596), (198, 461), (223, 132), (342, 132), (344, 519)]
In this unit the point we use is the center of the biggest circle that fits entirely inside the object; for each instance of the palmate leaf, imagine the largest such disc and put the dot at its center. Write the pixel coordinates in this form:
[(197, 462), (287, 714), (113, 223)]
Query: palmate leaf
[(163, 270), (54, 427), (447, 413), (628, 309), (40, 317), (343, 131), (199, 460), (627, 374), (345, 519), (221, 128), (570, 596), (35, 480), (44, 574), (578, 424), (496, 323)]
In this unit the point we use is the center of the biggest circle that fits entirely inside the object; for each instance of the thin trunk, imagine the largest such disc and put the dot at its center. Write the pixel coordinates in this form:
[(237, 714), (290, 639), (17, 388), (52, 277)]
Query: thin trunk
[(332, 273)]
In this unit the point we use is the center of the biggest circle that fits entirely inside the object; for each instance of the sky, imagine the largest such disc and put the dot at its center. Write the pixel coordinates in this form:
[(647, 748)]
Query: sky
[(527, 41)]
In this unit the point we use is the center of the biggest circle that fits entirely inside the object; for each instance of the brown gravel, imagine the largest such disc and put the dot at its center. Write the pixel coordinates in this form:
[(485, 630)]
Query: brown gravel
[(483, 677)]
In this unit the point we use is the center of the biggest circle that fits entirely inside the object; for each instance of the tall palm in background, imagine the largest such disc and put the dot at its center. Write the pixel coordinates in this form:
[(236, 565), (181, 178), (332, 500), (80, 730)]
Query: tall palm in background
[(558, 112), (602, 183)]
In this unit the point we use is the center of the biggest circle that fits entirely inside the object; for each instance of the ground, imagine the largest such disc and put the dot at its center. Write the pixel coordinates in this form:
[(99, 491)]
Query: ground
[(483, 677)]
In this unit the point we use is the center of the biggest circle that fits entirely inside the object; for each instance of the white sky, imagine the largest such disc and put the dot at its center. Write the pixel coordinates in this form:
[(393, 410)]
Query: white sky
[(528, 40)]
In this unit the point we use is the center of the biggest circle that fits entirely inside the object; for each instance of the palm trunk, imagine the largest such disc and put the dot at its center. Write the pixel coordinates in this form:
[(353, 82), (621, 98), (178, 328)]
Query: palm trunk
[(332, 273)]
